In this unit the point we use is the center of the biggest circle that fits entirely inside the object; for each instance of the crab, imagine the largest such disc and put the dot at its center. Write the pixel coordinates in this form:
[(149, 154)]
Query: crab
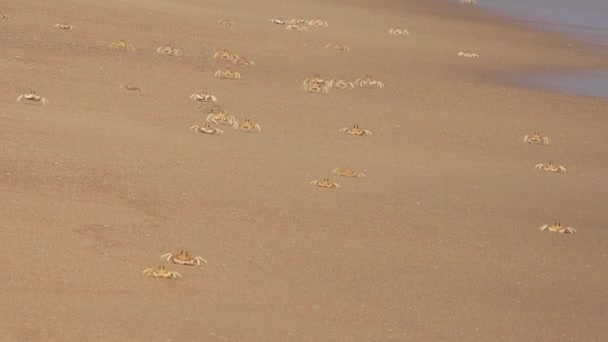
[(206, 129), (551, 167), (168, 50), (337, 47), (277, 21), (203, 97), (319, 88), (244, 62), (225, 55), (225, 22), (355, 130), (537, 138), (4, 16), (121, 44), (161, 272), (65, 26), (468, 54), (317, 85), (221, 118), (296, 27), (468, 1), (342, 84), (317, 22), (183, 259), (247, 126), (130, 86), (398, 32), (347, 172), (227, 73), (32, 98), (325, 183), (368, 81), (297, 21), (557, 228)]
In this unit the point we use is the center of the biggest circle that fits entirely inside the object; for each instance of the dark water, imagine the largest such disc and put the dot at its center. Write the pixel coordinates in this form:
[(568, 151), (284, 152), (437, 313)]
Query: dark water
[(585, 20)]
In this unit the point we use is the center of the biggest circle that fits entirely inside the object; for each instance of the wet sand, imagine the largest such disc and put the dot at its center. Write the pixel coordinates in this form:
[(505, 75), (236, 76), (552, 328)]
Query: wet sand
[(438, 242)]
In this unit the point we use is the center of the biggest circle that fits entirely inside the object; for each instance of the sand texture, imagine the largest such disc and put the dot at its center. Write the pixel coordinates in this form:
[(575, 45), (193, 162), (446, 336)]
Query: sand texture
[(439, 242)]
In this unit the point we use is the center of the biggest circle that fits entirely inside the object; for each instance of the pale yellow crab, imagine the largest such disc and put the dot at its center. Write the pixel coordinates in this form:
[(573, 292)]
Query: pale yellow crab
[(161, 272), (168, 49), (296, 27), (468, 54), (206, 129), (203, 96), (183, 258), (32, 98), (343, 84), (130, 86), (244, 62), (227, 73), (317, 22), (369, 81), (537, 138), (337, 47), (221, 118), (348, 172), (64, 26), (247, 126), (551, 167), (325, 183), (225, 55), (355, 130), (225, 22), (557, 228), (123, 45)]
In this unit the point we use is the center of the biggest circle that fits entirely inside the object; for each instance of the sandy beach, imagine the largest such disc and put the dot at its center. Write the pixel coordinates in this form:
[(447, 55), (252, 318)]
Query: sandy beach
[(439, 242)]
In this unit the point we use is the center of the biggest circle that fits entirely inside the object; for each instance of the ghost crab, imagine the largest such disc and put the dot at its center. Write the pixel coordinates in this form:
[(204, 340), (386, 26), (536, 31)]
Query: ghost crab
[(64, 26), (121, 44), (468, 54), (168, 50), (32, 98), (221, 118), (398, 32), (225, 22), (317, 22), (337, 47), (247, 126), (130, 86), (161, 272), (227, 73), (551, 167), (369, 81), (244, 62), (557, 228), (206, 129), (296, 27), (537, 138), (225, 55), (183, 258), (342, 84), (317, 85), (355, 130), (203, 97), (277, 21), (347, 172), (325, 183)]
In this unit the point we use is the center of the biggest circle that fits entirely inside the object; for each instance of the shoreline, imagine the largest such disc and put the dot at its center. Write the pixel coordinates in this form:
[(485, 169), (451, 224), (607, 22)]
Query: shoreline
[(587, 79)]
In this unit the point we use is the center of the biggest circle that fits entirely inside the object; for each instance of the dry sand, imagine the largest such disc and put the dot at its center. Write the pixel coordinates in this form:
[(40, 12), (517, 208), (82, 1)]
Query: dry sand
[(439, 242)]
